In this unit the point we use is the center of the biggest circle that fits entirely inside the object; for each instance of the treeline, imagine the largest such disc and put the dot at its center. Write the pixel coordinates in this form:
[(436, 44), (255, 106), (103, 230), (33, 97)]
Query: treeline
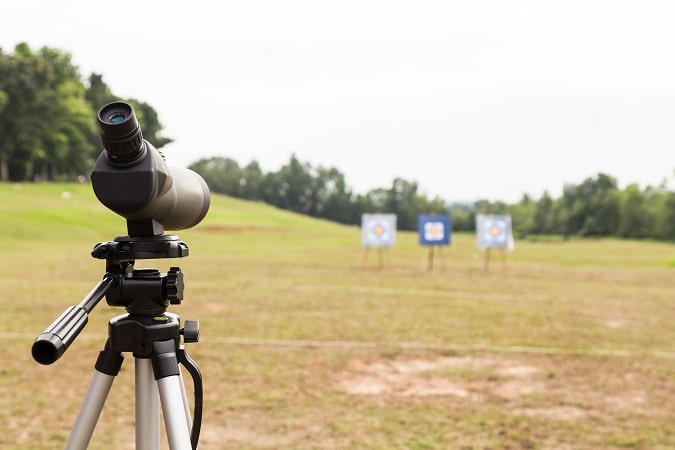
[(48, 131), (48, 126), (596, 207)]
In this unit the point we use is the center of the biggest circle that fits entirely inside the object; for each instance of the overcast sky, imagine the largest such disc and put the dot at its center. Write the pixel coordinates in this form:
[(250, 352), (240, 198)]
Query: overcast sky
[(472, 99)]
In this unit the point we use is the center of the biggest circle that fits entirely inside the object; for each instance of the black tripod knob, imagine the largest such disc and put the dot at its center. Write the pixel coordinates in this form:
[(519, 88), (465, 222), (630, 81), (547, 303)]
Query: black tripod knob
[(174, 286), (191, 331)]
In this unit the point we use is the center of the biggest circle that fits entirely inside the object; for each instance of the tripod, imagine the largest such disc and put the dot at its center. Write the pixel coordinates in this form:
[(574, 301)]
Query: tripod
[(147, 331)]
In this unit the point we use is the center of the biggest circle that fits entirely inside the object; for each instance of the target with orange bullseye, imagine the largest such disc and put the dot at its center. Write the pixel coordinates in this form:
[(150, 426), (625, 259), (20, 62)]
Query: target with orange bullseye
[(434, 230), (378, 230), (494, 231)]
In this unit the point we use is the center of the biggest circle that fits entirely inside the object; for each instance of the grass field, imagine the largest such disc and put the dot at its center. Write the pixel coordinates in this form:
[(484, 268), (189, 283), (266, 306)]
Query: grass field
[(306, 344)]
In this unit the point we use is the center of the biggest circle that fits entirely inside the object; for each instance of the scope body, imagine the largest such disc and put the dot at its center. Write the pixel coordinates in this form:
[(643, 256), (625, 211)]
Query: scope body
[(176, 197)]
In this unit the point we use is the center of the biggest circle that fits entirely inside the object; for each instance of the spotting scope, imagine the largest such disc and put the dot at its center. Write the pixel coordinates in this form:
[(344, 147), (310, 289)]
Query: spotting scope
[(132, 179)]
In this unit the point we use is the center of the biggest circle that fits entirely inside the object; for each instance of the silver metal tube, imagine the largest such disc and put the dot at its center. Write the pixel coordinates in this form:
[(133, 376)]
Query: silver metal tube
[(173, 409), (186, 402), (90, 411), (147, 406)]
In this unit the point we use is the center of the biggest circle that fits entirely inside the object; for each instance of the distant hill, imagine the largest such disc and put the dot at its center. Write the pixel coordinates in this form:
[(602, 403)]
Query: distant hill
[(47, 211)]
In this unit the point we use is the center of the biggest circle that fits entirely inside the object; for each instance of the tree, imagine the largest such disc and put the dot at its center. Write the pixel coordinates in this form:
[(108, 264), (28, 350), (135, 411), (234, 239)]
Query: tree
[(26, 81), (335, 197), (522, 214), (294, 187), (660, 208), (98, 93), (666, 223), (632, 213), (463, 217), (221, 174), (404, 201), (543, 215), (69, 127), (250, 181), (3, 100), (592, 207)]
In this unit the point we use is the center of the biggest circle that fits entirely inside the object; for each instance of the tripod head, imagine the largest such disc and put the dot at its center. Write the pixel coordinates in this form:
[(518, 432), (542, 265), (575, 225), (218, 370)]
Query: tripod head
[(140, 291)]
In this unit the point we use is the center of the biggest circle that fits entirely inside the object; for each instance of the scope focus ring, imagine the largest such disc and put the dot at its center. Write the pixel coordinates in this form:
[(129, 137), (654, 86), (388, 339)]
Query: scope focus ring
[(174, 286)]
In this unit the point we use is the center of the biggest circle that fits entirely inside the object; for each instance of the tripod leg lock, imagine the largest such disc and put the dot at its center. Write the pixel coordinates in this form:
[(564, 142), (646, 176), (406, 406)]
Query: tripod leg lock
[(108, 361), (164, 359)]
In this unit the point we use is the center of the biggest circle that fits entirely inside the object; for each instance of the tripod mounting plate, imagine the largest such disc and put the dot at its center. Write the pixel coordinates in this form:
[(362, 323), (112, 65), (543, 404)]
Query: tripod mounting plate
[(126, 248)]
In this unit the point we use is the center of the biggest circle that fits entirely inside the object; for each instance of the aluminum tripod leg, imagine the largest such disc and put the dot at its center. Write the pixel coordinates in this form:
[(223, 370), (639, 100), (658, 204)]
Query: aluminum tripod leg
[(173, 408), (171, 388), (107, 366), (90, 411), (147, 406), (149, 392), (186, 402)]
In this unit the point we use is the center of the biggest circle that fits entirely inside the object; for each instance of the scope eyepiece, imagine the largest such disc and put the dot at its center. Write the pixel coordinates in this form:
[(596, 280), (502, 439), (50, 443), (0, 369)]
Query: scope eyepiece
[(120, 133)]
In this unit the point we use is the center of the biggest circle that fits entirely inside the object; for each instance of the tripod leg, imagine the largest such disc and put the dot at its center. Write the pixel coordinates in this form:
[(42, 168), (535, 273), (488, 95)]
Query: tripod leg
[(177, 427), (186, 402), (147, 406), (167, 373), (107, 367)]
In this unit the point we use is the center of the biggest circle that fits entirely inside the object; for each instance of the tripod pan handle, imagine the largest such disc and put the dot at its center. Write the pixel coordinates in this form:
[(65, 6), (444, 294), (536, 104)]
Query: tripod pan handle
[(54, 341)]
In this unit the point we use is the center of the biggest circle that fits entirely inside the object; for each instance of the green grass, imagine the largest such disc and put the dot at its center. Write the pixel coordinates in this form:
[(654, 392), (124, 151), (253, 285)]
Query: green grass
[(307, 344)]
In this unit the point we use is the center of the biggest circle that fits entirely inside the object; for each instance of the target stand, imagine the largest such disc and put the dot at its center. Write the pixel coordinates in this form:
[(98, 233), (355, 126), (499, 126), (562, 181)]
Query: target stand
[(488, 255)]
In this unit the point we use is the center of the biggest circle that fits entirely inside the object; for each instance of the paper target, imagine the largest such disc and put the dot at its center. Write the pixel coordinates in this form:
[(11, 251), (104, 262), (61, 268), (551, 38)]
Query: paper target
[(378, 230), (434, 230), (494, 231)]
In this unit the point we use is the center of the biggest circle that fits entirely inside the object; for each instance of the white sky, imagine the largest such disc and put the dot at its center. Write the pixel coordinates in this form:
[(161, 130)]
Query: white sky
[(472, 99)]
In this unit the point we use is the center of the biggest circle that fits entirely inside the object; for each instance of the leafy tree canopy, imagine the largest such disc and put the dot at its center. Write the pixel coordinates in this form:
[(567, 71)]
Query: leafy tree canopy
[(48, 126)]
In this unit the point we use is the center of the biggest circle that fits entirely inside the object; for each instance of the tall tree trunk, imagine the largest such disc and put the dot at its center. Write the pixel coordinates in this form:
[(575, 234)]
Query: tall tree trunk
[(4, 168)]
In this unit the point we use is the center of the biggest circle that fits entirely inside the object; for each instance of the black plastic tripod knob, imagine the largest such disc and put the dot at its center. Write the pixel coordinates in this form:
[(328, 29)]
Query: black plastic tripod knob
[(191, 331), (102, 250), (174, 286)]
